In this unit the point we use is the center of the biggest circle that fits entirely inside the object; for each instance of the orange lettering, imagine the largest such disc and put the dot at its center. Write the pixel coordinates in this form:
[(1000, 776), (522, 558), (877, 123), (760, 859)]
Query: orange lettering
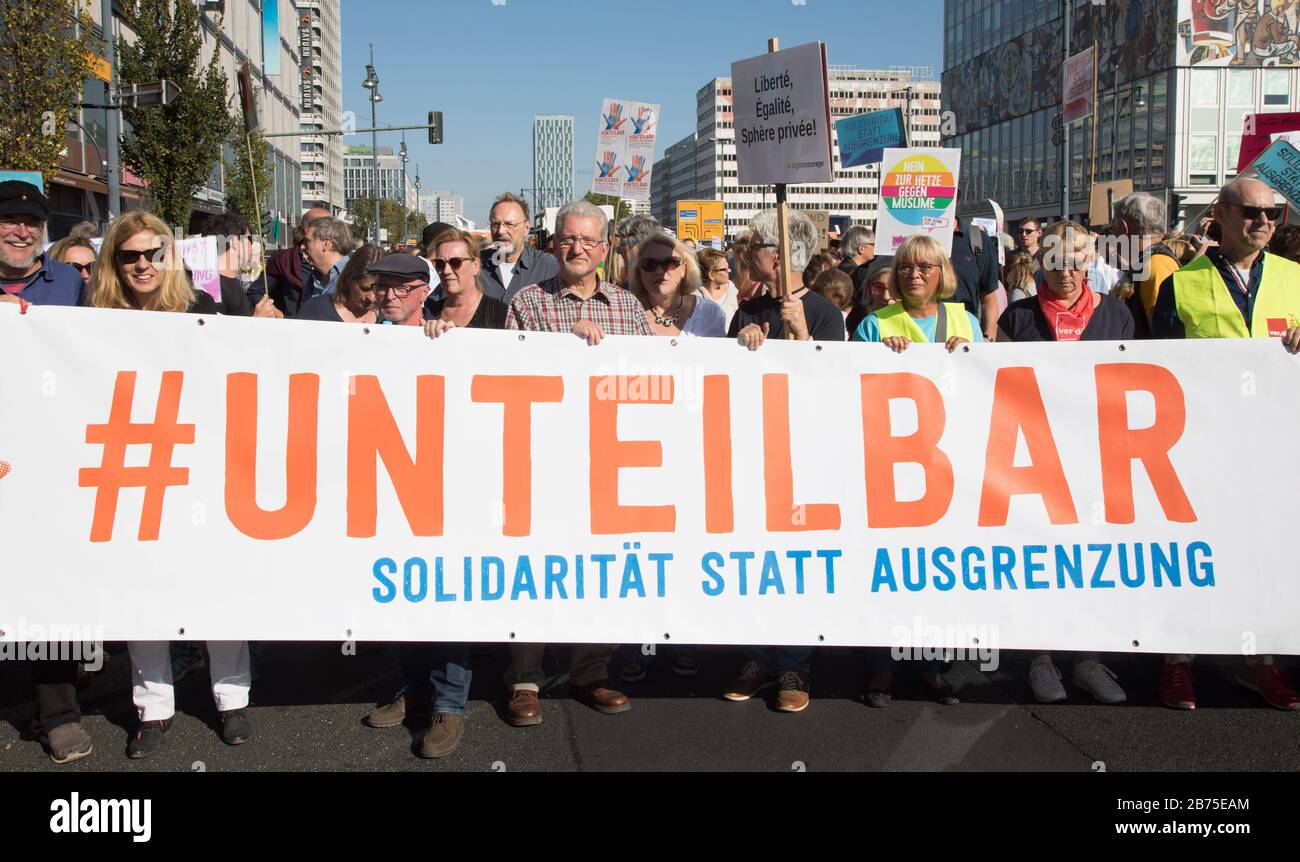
[(1018, 407), (300, 458), (1121, 445), (883, 451), (373, 433), (778, 475), (608, 455), (517, 394), (719, 508)]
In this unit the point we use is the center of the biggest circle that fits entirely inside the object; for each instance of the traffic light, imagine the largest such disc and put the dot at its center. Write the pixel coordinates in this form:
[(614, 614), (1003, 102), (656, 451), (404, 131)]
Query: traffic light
[(435, 127)]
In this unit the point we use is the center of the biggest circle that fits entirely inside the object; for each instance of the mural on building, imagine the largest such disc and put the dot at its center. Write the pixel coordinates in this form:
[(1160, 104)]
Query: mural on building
[(1239, 32), (1135, 39)]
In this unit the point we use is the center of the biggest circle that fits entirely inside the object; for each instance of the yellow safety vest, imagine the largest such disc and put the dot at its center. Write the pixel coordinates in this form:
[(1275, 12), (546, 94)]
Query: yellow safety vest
[(1207, 310), (894, 320)]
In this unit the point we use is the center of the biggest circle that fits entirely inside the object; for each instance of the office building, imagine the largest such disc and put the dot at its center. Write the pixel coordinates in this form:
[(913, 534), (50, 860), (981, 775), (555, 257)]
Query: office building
[(320, 100), (552, 161)]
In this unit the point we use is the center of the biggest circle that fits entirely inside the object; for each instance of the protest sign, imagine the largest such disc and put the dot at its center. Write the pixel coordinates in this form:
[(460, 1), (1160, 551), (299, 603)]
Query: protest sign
[(200, 256), (863, 139), (782, 117), (1279, 166), (293, 480), (1080, 78), (1259, 130), (625, 149), (918, 195), (1102, 199)]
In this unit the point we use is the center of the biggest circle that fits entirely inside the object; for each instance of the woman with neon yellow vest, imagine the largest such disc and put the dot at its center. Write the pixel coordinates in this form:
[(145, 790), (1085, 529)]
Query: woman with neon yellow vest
[(1235, 290), (921, 278)]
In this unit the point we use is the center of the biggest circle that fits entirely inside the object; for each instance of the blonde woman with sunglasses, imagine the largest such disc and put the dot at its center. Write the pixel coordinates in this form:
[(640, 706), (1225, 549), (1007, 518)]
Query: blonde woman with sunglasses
[(139, 268)]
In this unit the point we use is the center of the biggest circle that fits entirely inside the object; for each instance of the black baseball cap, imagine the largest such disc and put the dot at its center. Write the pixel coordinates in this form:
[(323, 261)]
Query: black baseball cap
[(405, 266), (20, 198), (431, 232)]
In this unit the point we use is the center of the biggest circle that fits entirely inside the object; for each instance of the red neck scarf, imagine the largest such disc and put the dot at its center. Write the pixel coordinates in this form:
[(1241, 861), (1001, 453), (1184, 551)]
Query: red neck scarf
[(1067, 322)]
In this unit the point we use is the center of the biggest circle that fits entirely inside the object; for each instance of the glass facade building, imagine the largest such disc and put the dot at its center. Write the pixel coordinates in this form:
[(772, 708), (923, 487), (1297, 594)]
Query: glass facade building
[(1175, 81)]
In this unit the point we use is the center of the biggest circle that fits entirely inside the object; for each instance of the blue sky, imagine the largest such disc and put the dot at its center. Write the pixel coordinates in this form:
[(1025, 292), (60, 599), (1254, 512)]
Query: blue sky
[(490, 65)]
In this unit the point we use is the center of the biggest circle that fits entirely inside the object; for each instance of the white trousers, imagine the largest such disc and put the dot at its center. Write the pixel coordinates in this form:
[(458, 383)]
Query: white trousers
[(151, 676)]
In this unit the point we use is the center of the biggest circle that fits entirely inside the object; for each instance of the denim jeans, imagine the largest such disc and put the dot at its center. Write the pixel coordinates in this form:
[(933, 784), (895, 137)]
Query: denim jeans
[(440, 669), (782, 659)]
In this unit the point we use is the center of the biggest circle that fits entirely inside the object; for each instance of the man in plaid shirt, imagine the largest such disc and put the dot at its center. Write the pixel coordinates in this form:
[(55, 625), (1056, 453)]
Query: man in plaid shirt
[(577, 300)]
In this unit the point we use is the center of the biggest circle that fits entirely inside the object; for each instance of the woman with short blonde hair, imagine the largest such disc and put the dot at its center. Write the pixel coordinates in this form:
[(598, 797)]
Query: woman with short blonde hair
[(665, 276), (140, 268), (921, 277)]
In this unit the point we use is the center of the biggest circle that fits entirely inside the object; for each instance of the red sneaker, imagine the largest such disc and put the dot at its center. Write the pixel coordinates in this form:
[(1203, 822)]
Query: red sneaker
[(1176, 690), (1268, 681)]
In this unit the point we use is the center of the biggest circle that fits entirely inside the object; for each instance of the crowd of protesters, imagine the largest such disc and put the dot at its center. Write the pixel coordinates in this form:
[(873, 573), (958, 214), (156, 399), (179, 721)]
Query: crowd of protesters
[(1228, 279)]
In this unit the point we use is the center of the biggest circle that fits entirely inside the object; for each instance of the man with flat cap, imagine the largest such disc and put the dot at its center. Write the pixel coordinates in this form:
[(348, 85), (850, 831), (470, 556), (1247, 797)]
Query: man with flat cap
[(27, 273), (401, 287)]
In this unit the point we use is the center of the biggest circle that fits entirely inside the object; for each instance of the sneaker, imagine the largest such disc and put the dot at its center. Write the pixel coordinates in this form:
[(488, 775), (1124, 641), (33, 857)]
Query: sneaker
[(751, 681), (684, 664), (235, 729), (186, 659), (1268, 681), (393, 713), (1045, 681), (1176, 691), (631, 669), (443, 736), (1099, 681), (793, 693), (68, 742), (148, 738)]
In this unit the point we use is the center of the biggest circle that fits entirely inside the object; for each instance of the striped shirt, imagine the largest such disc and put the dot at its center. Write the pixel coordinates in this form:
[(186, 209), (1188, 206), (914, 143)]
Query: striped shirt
[(551, 306)]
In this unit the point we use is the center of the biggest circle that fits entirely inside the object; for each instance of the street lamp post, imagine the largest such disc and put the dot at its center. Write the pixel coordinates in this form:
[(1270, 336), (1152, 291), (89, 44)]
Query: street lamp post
[(404, 157), (417, 192), (371, 83)]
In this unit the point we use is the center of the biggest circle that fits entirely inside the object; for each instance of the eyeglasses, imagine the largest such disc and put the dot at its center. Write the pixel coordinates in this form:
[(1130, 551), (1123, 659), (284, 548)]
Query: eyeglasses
[(906, 269), (508, 225), (455, 262), (129, 257), (399, 291), (83, 268), (571, 241), (725, 269), (1026, 231), (759, 246), (1274, 214), (654, 264)]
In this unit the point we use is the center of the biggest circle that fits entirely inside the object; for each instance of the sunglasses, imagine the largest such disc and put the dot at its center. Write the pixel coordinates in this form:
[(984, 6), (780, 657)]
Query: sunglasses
[(1274, 214), (667, 264), (83, 268), (129, 257), (1026, 231), (454, 262)]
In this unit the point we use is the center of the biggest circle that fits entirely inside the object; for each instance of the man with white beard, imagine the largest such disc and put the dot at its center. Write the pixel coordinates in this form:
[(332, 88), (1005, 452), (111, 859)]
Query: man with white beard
[(510, 265), (27, 274)]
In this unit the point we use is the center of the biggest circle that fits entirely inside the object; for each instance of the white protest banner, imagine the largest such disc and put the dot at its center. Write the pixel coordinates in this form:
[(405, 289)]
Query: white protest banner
[(200, 256), (918, 195), (225, 478), (625, 149), (782, 117), (1079, 83)]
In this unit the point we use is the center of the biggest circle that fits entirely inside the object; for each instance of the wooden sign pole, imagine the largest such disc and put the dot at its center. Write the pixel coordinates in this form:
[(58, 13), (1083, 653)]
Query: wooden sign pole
[(782, 224)]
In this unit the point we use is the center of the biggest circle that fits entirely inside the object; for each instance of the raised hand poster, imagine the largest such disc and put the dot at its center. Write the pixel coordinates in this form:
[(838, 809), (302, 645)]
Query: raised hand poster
[(625, 149)]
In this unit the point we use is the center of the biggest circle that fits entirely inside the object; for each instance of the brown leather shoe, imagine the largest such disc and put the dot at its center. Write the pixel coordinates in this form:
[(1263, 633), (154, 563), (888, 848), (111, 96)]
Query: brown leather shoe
[(600, 697), (524, 709)]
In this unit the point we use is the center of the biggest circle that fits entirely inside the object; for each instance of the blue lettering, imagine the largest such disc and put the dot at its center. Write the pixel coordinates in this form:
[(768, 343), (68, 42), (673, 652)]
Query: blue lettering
[(798, 557), (883, 572), (743, 557), (388, 590), (555, 567), (631, 577), (830, 557), (498, 565), (771, 576), (603, 560), (523, 580), (1004, 560), (1073, 567), (1033, 566), (919, 583), (1139, 566), (967, 570), (1098, 582), (659, 560), (1170, 565), (709, 562), (946, 579), (422, 569), (438, 594), (1206, 569)]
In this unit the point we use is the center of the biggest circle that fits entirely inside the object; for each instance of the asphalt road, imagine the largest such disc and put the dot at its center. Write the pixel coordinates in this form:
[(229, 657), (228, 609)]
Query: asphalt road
[(309, 699)]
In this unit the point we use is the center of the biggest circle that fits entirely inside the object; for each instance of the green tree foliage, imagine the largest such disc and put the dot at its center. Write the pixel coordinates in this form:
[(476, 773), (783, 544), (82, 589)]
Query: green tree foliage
[(622, 208), (174, 147), (239, 179), (390, 218), (43, 68)]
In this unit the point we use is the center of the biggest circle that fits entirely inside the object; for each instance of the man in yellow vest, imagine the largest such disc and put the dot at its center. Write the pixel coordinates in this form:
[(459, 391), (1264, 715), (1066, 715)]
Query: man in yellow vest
[(1237, 290)]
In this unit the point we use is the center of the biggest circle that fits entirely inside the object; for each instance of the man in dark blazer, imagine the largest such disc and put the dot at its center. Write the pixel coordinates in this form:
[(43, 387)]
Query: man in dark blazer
[(511, 265)]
